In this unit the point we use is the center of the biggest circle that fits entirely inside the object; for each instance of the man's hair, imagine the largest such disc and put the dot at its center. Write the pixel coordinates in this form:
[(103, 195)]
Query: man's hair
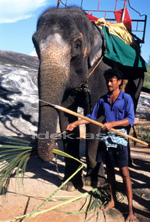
[(113, 73)]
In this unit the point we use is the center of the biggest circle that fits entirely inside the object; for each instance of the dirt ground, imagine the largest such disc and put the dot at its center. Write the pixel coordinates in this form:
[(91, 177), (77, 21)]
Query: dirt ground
[(42, 179)]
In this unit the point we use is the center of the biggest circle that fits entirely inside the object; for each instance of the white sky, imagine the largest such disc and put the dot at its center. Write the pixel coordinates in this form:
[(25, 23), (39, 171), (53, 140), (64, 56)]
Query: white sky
[(15, 10)]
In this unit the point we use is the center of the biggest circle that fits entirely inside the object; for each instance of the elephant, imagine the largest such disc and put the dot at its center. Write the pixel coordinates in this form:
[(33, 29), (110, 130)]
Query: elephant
[(69, 47)]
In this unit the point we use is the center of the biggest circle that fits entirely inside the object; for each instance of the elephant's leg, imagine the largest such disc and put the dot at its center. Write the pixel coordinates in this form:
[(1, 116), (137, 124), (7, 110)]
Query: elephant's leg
[(71, 146), (95, 171)]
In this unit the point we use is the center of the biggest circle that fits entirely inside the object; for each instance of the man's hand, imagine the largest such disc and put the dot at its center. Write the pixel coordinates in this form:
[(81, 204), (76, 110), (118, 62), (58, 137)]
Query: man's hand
[(107, 126), (71, 127)]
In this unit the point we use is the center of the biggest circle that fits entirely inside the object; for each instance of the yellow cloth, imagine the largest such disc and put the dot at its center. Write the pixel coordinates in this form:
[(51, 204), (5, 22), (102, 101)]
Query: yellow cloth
[(117, 29)]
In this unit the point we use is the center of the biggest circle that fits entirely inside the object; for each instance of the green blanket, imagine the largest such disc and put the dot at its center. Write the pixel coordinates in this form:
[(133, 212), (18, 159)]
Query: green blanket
[(119, 51)]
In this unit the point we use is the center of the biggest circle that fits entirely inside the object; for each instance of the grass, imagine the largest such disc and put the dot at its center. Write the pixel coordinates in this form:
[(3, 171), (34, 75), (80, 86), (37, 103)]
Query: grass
[(143, 132), (146, 83)]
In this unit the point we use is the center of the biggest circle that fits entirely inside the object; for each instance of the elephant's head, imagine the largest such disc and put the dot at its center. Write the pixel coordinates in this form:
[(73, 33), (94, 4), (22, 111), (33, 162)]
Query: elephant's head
[(68, 45)]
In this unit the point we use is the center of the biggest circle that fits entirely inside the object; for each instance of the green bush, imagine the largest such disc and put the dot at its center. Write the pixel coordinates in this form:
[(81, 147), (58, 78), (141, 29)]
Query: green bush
[(147, 78)]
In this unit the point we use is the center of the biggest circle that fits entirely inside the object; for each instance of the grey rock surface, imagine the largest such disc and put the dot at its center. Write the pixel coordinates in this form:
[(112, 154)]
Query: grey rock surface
[(143, 108), (18, 94)]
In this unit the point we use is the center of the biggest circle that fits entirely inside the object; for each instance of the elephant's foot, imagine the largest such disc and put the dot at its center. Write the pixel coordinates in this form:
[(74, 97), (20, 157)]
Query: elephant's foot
[(87, 180), (73, 185), (69, 187), (94, 181)]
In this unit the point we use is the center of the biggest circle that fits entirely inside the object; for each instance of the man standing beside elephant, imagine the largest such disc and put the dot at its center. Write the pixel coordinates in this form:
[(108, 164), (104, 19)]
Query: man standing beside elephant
[(118, 111)]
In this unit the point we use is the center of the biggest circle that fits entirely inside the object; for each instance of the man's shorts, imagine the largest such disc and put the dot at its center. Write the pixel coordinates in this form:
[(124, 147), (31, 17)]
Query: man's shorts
[(113, 157)]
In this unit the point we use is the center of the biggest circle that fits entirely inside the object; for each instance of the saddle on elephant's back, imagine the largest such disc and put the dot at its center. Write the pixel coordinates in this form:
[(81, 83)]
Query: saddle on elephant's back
[(121, 46)]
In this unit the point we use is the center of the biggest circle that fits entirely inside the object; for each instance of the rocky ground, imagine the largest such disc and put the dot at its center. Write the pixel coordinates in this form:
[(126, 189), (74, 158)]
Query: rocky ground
[(18, 117), (142, 111), (18, 94)]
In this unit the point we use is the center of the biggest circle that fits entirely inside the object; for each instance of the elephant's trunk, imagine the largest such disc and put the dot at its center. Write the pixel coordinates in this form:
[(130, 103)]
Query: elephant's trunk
[(53, 77)]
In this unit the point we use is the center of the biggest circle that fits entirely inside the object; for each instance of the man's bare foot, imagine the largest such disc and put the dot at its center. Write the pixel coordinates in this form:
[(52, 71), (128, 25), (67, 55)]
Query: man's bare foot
[(131, 218), (110, 205)]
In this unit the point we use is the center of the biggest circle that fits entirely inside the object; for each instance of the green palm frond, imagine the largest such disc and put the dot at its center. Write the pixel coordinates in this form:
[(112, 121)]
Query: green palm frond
[(14, 155), (94, 199), (35, 212), (98, 197)]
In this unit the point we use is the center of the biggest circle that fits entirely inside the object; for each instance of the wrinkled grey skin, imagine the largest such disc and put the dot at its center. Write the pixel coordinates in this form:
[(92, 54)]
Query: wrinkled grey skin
[(68, 46)]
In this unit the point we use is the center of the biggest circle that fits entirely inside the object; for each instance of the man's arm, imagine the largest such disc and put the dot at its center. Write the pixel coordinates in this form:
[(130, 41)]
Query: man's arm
[(93, 116), (109, 125), (71, 126)]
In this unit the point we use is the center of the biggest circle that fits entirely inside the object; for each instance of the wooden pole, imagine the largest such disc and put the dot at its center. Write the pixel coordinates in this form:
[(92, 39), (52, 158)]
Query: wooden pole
[(94, 122), (124, 10)]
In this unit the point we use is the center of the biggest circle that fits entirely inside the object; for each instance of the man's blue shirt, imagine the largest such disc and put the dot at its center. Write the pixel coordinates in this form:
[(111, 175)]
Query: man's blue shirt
[(123, 108)]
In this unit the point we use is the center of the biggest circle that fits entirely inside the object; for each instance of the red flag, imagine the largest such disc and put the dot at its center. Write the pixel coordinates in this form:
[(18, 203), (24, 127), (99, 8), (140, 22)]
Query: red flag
[(92, 18), (127, 19)]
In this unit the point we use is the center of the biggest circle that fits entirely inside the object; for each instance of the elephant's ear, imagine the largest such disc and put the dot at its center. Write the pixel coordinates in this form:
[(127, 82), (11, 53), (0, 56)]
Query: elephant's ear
[(98, 45)]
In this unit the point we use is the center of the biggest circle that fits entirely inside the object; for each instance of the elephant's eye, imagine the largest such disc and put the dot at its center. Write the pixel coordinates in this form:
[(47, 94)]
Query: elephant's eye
[(77, 44), (76, 48)]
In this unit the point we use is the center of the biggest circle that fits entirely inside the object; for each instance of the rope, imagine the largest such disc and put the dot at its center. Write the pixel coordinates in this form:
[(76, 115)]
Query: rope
[(95, 67)]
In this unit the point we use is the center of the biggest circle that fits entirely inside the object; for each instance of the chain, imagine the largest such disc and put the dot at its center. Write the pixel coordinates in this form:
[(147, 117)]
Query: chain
[(56, 160)]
